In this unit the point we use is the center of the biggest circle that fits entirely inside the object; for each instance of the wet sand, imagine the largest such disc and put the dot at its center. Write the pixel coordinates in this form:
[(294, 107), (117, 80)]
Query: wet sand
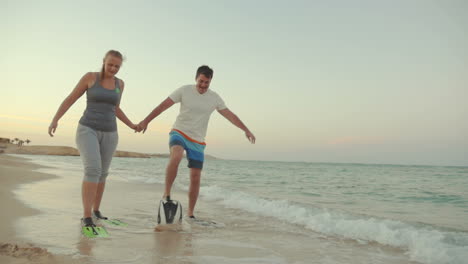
[(13, 172), (240, 238)]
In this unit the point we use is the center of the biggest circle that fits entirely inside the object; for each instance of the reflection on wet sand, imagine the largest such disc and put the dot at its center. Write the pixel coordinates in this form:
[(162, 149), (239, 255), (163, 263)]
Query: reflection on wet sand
[(172, 244), (85, 246), (166, 244)]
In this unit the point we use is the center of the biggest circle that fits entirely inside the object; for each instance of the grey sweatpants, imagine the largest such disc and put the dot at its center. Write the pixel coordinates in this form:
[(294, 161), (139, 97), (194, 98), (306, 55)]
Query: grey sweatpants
[(96, 151)]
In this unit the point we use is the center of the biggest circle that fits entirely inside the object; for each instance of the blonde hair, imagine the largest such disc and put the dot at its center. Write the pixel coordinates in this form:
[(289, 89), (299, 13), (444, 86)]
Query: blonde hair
[(110, 53)]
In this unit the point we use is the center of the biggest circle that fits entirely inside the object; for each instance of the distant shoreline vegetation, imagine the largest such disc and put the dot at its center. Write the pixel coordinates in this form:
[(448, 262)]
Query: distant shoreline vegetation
[(16, 141), (16, 146)]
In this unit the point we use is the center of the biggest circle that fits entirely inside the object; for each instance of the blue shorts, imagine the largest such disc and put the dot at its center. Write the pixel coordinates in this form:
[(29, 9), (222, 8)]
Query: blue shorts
[(194, 149)]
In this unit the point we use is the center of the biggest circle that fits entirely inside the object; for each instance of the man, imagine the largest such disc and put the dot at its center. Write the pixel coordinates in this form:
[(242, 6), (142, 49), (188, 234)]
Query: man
[(189, 130)]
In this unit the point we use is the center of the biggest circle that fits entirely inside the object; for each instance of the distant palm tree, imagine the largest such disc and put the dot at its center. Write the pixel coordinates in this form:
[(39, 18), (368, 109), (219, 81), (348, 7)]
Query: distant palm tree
[(28, 141), (20, 143), (16, 139)]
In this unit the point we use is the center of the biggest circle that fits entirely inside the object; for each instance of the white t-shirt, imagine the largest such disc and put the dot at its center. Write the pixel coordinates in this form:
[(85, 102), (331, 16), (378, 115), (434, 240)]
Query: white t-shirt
[(195, 110)]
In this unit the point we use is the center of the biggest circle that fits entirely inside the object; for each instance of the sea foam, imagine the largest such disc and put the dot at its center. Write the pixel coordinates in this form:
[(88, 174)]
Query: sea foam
[(423, 243)]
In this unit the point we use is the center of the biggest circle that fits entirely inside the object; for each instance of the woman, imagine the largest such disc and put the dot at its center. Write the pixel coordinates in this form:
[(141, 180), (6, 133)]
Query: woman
[(96, 136)]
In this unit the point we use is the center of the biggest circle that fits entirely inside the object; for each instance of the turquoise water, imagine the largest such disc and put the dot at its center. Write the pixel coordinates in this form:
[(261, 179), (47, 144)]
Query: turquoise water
[(421, 210), (425, 194)]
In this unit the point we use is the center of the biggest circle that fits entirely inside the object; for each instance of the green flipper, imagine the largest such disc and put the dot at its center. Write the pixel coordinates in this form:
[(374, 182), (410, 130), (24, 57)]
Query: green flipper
[(89, 231), (102, 231), (97, 231), (115, 222)]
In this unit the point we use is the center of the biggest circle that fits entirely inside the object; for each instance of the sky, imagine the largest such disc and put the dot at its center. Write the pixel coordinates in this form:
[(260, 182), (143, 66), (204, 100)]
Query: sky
[(317, 81)]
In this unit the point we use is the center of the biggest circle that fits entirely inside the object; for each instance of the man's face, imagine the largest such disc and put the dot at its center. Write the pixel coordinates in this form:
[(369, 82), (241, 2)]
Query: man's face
[(203, 83)]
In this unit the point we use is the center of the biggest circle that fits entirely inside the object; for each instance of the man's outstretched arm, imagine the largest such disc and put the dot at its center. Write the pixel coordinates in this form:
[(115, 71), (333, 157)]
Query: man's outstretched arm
[(234, 119), (156, 111)]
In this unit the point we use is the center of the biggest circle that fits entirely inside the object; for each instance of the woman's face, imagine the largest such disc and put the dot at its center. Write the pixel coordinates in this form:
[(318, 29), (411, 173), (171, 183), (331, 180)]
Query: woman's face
[(112, 65)]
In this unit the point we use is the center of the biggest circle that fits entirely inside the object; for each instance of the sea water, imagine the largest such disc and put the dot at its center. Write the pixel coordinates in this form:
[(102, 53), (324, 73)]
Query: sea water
[(277, 212)]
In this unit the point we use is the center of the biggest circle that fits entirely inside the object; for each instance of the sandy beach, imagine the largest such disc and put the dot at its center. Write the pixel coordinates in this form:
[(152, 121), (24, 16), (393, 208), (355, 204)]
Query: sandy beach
[(28, 235), (16, 171), (13, 172), (50, 233)]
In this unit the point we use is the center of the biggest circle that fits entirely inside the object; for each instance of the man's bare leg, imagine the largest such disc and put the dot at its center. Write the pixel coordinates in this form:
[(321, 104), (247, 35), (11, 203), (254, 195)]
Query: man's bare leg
[(177, 152), (195, 175)]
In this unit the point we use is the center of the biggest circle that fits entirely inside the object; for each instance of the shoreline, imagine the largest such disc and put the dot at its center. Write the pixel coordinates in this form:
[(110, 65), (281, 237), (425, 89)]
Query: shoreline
[(15, 171), (240, 237), (60, 151), (9, 148)]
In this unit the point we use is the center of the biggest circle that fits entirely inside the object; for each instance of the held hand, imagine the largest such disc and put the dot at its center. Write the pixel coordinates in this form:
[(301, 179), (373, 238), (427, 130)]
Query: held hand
[(250, 137), (52, 128), (134, 127), (143, 126), (138, 128)]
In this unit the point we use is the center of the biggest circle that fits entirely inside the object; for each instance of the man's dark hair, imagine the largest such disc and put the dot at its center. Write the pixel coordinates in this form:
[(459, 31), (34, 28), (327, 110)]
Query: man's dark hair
[(205, 70)]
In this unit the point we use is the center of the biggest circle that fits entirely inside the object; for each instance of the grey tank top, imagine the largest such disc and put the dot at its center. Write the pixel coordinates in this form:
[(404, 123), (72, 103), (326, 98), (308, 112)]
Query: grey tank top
[(100, 107)]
